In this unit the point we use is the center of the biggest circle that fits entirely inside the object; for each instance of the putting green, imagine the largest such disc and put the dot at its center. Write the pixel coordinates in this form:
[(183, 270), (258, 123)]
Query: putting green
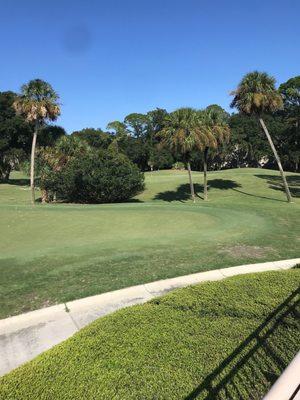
[(126, 226)]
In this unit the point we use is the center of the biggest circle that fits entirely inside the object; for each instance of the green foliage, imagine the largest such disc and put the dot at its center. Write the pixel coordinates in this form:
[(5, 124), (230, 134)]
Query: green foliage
[(38, 102), (160, 158), (15, 136), (137, 138), (256, 94), (49, 134), (136, 124), (247, 146), (52, 160), (94, 137), (218, 111), (290, 92), (179, 132), (216, 340), (178, 165), (94, 177), (290, 140)]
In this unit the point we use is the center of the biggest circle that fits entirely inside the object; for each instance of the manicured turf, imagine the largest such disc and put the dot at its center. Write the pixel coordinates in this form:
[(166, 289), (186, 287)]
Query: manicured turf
[(220, 340), (59, 252)]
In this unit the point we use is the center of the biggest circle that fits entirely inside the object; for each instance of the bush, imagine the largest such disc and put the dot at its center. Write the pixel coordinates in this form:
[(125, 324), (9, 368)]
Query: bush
[(95, 177)]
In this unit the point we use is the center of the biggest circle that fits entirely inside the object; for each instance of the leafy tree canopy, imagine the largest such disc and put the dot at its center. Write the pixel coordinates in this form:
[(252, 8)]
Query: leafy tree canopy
[(94, 137)]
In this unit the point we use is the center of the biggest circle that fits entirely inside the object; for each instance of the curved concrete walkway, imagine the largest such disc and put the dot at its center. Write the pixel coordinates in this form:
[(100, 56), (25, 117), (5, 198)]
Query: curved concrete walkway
[(24, 336)]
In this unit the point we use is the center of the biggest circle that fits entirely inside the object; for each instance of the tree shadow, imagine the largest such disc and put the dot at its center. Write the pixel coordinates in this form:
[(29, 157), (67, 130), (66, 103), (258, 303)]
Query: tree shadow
[(223, 184), (275, 183), (17, 182), (60, 201), (251, 369), (183, 193), (259, 197), (133, 201)]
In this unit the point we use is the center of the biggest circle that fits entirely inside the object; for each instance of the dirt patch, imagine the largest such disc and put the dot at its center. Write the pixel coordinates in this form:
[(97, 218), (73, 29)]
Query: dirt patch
[(246, 251)]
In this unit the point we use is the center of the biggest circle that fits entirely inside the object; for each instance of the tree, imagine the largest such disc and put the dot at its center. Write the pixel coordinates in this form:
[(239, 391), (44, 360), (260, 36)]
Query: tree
[(119, 128), (119, 132), (49, 134), (290, 92), (247, 146), (180, 134), (38, 102), (214, 131), (136, 124), (94, 137), (256, 95), (15, 134), (160, 158)]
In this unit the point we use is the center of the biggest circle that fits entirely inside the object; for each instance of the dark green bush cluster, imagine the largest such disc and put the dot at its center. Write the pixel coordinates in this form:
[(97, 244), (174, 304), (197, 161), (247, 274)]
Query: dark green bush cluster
[(94, 177)]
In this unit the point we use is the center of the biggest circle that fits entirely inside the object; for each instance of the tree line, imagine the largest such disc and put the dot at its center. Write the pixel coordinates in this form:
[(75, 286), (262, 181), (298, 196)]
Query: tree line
[(158, 139)]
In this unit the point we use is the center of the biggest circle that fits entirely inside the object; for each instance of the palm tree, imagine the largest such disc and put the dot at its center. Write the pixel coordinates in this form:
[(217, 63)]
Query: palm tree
[(255, 95), (214, 131), (180, 135), (38, 103)]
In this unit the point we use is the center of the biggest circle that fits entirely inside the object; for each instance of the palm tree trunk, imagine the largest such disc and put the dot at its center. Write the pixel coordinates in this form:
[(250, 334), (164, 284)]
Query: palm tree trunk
[(286, 187), (191, 182), (205, 171), (32, 164)]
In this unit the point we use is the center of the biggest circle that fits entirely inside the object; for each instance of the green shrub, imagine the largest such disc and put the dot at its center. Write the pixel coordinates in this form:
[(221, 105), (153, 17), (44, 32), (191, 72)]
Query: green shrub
[(95, 177)]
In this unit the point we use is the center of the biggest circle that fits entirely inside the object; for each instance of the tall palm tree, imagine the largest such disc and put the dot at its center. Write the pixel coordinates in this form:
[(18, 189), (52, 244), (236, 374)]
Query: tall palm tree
[(215, 131), (38, 102), (179, 134), (256, 95)]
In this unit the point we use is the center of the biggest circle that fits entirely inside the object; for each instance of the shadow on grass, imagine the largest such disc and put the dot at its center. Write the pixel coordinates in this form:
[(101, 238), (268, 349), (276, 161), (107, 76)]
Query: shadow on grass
[(59, 201), (182, 192), (17, 182), (275, 182), (250, 370), (133, 201), (259, 197)]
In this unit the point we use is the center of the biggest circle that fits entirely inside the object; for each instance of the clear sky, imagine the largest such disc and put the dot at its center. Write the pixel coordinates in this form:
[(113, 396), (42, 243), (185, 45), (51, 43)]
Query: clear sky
[(109, 58)]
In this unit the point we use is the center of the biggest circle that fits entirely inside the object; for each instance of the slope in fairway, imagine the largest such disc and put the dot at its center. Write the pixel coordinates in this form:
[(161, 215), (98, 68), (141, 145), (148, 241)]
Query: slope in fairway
[(58, 252)]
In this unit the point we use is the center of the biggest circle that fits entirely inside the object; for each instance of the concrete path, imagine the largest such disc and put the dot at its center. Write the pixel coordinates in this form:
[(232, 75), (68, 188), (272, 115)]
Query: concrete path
[(24, 336)]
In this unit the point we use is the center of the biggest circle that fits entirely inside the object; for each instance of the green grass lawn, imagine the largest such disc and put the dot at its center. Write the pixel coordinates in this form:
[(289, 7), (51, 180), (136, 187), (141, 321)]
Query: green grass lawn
[(224, 340), (59, 252)]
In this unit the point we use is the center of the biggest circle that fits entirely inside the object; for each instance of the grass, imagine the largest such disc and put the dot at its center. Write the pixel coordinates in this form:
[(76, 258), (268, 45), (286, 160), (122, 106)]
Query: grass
[(228, 339), (59, 252)]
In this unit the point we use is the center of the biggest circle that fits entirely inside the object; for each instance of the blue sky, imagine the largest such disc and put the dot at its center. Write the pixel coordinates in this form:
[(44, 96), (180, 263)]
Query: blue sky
[(107, 59)]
